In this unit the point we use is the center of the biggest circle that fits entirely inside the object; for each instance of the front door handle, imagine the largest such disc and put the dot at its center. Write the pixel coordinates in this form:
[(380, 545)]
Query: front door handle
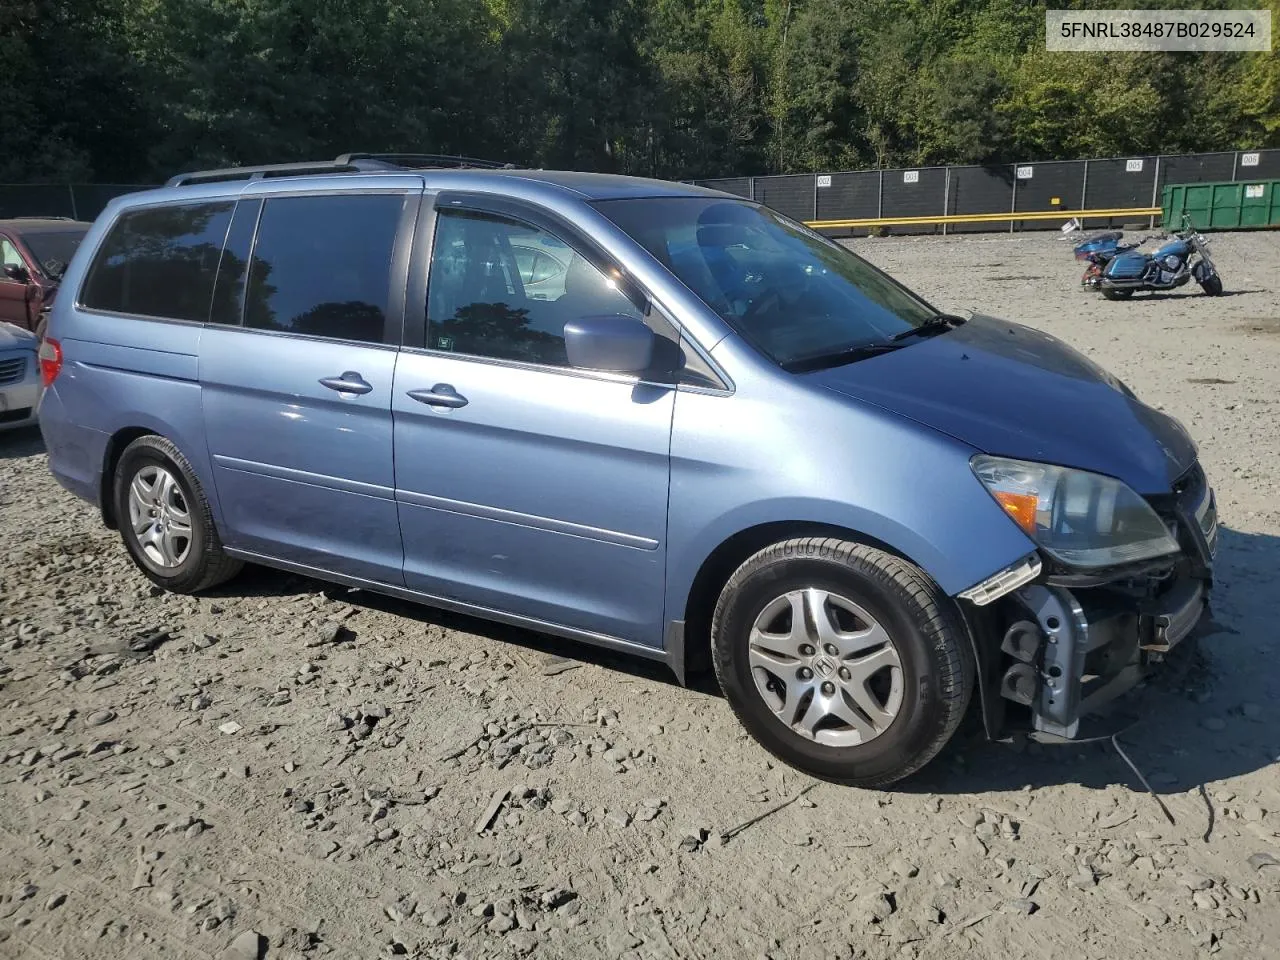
[(349, 382), (441, 395)]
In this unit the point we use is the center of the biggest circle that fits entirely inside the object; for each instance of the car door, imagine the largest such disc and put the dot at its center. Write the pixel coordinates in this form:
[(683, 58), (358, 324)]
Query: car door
[(13, 293), (296, 374), (524, 485)]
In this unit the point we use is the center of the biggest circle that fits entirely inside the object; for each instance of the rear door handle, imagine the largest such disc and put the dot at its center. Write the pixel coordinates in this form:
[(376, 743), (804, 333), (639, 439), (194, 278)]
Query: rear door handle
[(349, 382), (441, 395)]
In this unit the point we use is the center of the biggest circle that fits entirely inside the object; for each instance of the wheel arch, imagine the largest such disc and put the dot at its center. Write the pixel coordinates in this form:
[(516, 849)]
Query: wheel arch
[(719, 565), (116, 445), (693, 654), (141, 425)]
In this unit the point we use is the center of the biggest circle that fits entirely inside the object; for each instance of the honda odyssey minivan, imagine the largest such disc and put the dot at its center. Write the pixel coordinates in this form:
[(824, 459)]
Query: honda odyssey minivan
[(726, 438)]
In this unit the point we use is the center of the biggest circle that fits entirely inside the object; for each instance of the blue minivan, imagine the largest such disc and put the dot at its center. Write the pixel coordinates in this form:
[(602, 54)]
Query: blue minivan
[(706, 433)]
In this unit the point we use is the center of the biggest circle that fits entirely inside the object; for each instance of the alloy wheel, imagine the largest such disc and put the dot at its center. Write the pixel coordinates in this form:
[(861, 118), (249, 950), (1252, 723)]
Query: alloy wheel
[(160, 517), (825, 667)]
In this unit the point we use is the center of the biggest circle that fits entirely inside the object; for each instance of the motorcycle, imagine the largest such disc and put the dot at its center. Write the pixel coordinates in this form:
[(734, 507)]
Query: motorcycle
[(1099, 250), (1184, 257)]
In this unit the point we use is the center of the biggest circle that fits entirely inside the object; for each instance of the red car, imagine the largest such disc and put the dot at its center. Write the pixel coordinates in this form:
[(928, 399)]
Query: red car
[(33, 254)]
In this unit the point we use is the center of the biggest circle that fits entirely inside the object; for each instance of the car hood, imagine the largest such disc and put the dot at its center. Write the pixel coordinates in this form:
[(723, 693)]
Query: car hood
[(1012, 391), (11, 336)]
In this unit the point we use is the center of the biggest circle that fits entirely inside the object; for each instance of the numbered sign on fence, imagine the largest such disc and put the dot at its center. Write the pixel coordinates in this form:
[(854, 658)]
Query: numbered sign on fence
[(910, 176), (1024, 173), (1133, 166), (824, 180), (1253, 191), (1248, 159)]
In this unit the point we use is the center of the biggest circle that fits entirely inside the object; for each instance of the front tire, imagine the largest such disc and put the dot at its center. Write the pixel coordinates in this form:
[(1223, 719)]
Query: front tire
[(1212, 285), (165, 520), (842, 660)]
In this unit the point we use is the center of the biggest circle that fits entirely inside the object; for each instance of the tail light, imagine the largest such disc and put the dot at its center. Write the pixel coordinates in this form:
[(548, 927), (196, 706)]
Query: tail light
[(50, 360)]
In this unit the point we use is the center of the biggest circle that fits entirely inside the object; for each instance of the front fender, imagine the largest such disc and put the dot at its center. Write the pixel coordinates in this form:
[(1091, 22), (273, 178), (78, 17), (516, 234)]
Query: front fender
[(854, 466)]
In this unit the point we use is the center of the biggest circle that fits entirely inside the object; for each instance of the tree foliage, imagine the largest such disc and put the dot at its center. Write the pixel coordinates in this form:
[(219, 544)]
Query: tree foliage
[(135, 90)]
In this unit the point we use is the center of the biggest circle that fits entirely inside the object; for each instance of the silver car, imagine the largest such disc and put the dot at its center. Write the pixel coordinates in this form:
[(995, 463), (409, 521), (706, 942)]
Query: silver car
[(19, 377)]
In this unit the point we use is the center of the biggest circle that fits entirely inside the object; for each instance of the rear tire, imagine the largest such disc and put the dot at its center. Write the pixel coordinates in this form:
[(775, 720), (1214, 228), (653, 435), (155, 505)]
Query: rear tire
[(165, 520), (1212, 285), (885, 702), (1116, 294)]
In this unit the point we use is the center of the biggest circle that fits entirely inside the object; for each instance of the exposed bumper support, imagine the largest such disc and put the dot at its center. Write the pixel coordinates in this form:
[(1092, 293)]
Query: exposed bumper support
[(1094, 650)]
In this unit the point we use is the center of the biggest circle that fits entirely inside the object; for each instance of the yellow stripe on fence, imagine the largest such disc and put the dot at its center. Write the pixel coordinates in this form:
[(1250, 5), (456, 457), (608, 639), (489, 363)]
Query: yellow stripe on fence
[(985, 217)]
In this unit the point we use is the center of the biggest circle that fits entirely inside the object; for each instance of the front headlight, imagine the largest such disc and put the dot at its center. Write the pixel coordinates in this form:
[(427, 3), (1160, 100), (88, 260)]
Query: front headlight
[(1084, 519)]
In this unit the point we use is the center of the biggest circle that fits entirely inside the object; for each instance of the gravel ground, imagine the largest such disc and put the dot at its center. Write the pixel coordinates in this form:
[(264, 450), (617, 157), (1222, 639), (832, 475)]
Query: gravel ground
[(283, 769)]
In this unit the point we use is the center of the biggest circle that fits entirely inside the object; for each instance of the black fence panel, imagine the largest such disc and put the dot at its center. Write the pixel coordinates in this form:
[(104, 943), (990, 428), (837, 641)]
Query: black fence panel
[(1196, 168), (790, 195), (979, 190), (739, 186), (914, 193), (35, 200), (851, 196), (1267, 167), (1117, 184), (1055, 185)]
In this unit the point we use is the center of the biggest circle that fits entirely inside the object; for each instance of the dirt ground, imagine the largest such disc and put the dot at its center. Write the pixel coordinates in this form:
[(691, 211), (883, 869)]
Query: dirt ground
[(289, 770)]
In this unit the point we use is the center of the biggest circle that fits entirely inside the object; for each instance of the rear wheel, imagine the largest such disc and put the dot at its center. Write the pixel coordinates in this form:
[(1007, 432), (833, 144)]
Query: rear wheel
[(1116, 294), (1212, 285), (841, 659), (165, 520)]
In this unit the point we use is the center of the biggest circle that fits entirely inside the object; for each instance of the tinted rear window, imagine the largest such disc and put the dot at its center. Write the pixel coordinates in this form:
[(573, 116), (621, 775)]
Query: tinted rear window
[(322, 265), (54, 250), (160, 262)]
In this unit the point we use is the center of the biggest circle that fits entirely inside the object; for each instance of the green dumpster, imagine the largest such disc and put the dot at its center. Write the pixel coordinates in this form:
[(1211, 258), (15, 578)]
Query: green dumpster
[(1223, 206)]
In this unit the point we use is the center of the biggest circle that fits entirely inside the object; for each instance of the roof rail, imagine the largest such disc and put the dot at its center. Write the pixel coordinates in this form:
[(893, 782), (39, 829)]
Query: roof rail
[(257, 173), (347, 163), (419, 161)]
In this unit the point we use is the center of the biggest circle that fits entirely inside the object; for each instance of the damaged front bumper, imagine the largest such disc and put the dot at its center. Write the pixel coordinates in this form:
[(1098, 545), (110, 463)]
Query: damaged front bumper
[(1066, 645)]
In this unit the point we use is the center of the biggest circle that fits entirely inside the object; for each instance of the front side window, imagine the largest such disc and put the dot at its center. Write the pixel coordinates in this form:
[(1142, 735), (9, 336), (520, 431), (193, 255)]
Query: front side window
[(797, 296), (322, 265), (9, 255), (494, 291), (160, 262)]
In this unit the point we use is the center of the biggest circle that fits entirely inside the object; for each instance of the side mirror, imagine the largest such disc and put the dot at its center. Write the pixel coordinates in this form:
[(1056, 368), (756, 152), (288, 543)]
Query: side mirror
[(615, 343), (17, 273)]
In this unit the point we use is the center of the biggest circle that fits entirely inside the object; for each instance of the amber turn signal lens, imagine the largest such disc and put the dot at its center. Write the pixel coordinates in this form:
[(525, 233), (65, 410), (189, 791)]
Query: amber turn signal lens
[(1020, 506)]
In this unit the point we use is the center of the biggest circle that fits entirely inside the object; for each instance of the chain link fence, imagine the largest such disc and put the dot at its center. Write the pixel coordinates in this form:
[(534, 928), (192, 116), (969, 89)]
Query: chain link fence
[(79, 201), (1102, 192)]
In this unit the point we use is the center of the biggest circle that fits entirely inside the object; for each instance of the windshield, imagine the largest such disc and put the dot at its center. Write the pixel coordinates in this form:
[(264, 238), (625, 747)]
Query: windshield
[(797, 296), (54, 249)]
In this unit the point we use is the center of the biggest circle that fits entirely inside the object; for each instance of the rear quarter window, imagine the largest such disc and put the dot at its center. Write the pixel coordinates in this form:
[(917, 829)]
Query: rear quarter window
[(159, 262)]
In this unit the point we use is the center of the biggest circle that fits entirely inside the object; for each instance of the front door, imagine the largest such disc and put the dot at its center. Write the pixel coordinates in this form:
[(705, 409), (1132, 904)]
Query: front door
[(525, 485), (297, 394)]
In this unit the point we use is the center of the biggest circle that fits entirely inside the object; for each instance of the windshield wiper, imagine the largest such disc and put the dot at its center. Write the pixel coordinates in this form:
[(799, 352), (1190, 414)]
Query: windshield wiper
[(838, 358), (942, 322)]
